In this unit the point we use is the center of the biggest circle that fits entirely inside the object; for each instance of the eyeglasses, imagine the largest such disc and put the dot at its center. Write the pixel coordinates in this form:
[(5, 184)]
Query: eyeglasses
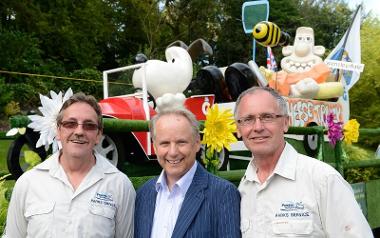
[(87, 126), (263, 118)]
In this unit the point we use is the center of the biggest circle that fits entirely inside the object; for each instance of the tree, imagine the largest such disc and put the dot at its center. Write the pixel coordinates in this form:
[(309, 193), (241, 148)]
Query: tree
[(190, 20), (365, 95), (22, 48), (328, 18), (74, 32), (232, 44)]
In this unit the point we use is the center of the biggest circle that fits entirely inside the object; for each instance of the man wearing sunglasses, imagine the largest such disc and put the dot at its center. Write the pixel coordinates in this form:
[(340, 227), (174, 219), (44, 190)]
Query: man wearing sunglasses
[(76, 192), (284, 193)]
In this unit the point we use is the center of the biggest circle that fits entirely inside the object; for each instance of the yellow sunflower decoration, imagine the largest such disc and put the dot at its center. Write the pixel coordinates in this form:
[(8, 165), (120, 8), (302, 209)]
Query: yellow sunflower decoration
[(218, 133), (351, 131)]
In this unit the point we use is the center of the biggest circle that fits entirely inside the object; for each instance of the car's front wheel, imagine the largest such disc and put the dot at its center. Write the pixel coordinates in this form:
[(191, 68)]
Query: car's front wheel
[(16, 158), (111, 147)]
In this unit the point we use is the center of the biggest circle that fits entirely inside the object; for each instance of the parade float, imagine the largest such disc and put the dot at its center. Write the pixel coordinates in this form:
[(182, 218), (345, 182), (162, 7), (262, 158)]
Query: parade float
[(312, 90), (315, 89)]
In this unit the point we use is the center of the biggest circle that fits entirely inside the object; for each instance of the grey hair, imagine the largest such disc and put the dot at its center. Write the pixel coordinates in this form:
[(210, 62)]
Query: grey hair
[(280, 100), (178, 112)]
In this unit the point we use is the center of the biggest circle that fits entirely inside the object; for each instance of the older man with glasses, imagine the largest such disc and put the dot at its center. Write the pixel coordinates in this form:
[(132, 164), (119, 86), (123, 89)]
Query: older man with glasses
[(284, 193), (76, 192)]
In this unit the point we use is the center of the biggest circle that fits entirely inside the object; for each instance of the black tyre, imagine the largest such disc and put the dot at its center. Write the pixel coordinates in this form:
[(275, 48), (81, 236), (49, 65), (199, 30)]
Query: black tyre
[(15, 159), (239, 77)]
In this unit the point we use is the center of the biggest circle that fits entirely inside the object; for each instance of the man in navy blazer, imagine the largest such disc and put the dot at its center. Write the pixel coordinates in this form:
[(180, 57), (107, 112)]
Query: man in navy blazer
[(185, 200)]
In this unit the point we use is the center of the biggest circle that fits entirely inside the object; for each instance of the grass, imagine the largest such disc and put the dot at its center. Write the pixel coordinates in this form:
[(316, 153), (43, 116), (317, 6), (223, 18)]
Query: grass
[(4, 145)]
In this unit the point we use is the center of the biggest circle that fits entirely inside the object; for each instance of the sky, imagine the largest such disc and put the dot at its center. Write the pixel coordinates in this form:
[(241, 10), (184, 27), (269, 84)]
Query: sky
[(369, 5)]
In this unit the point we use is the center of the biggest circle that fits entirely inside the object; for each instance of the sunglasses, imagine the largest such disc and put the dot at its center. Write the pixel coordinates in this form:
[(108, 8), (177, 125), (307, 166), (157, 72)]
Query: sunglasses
[(87, 126)]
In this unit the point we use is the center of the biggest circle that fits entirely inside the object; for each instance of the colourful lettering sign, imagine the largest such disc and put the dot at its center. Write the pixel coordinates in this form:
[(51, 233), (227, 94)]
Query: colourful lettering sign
[(304, 111)]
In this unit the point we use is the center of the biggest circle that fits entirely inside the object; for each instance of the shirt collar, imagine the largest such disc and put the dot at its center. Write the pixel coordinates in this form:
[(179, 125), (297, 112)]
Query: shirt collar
[(250, 173), (285, 167), (51, 164), (183, 183)]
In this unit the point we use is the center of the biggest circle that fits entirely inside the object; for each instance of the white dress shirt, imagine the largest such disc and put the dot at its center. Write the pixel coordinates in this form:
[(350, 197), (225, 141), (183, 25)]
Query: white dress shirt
[(303, 197), (168, 203)]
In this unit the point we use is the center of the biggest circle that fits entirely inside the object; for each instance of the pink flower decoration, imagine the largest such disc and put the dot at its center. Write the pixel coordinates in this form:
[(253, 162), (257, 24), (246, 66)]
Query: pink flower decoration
[(335, 129)]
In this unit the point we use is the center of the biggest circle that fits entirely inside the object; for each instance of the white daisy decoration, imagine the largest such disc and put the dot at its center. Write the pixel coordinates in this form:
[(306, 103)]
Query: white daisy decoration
[(47, 123)]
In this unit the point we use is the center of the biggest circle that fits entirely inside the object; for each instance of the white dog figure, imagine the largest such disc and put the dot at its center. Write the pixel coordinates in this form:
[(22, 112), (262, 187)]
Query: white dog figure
[(173, 76)]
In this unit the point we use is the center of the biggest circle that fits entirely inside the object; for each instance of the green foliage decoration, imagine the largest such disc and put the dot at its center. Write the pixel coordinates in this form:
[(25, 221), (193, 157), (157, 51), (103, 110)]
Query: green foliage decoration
[(356, 153), (4, 201), (31, 158), (210, 159)]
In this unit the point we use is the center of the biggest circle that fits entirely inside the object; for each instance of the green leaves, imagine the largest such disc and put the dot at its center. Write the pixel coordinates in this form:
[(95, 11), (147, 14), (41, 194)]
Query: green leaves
[(31, 158), (4, 201), (354, 175)]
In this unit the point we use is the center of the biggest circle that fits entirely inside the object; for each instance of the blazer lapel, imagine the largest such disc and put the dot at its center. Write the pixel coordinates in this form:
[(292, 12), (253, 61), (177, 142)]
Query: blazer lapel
[(193, 200), (150, 207)]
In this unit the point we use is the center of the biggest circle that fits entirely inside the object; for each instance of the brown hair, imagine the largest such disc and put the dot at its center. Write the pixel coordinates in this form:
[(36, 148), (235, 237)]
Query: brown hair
[(81, 97)]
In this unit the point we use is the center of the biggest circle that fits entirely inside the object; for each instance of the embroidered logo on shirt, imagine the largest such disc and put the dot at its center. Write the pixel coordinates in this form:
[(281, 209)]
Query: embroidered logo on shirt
[(104, 196), (103, 199), (293, 209), (291, 206)]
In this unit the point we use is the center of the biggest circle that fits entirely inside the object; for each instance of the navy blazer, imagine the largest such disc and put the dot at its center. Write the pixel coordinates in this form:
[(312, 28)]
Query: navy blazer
[(211, 208)]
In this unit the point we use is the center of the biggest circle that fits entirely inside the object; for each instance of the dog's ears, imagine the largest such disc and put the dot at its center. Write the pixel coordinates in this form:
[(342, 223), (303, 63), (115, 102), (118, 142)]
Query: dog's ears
[(199, 47), (178, 43), (196, 48)]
